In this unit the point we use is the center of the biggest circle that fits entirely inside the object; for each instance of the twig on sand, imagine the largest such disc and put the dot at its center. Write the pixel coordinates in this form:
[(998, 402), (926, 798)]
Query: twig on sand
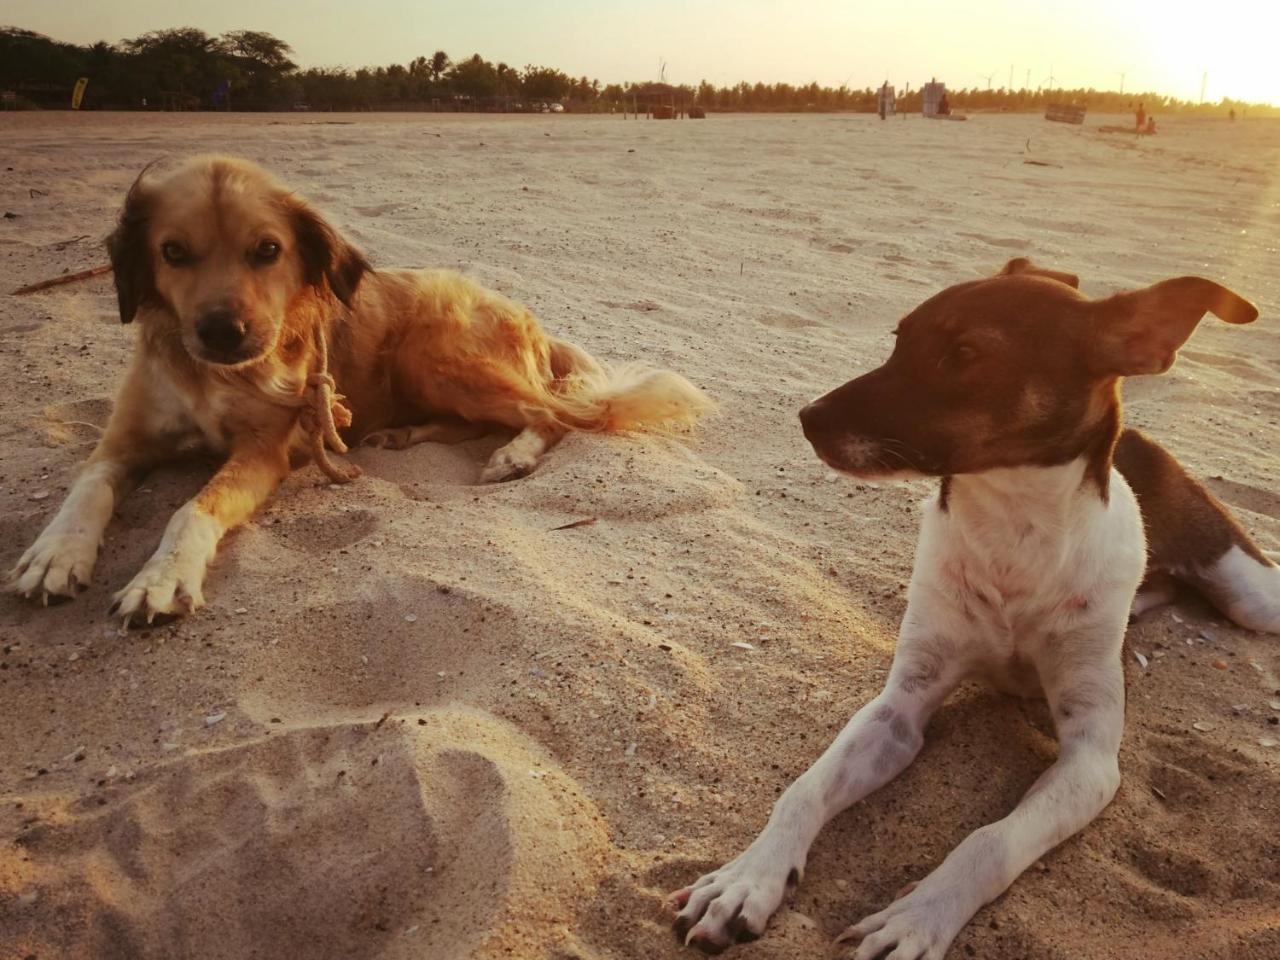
[(65, 278), (382, 719), (588, 521), (63, 244)]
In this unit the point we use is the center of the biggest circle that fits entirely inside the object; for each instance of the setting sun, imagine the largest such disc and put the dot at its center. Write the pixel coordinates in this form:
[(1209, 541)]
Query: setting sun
[(1166, 47)]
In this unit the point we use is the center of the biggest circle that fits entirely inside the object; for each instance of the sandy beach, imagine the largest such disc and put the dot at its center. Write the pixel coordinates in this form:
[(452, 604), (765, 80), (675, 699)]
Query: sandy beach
[(417, 721)]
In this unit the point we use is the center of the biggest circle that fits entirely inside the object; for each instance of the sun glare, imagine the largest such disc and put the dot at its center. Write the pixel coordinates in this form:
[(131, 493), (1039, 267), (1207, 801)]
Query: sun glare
[(1230, 50)]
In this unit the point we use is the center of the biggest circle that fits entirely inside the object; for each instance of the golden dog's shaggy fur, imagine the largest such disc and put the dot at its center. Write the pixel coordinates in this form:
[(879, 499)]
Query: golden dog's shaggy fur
[(242, 292)]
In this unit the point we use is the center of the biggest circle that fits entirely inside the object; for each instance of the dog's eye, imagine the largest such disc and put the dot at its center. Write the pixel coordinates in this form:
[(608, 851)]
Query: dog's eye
[(266, 251), (174, 254)]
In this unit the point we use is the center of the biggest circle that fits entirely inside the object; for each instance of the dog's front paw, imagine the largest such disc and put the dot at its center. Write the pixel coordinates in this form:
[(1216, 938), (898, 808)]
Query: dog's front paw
[(732, 904), (170, 584), (166, 587), (58, 564), (508, 464), (920, 925)]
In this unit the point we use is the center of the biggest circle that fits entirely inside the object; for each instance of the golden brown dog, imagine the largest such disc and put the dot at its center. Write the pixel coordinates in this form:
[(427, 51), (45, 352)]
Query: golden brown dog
[(253, 311)]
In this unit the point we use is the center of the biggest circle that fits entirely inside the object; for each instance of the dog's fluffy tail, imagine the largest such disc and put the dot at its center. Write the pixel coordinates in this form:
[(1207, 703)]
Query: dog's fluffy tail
[(586, 396)]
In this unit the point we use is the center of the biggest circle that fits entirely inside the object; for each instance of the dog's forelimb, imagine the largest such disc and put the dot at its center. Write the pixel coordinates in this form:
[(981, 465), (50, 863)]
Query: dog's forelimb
[(62, 559), (172, 581), (1088, 708), (877, 744)]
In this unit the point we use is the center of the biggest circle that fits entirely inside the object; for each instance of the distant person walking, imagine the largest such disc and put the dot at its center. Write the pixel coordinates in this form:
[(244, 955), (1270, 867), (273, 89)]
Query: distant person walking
[(1142, 115)]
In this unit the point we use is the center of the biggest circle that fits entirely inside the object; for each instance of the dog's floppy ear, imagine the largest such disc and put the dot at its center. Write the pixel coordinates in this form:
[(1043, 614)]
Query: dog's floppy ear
[(1021, 265), (130, 256), (1140, 331), (325, 254)]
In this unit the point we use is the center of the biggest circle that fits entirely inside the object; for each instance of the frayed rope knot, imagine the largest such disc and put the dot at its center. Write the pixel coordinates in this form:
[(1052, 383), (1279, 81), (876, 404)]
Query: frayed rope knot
[(323, 414)]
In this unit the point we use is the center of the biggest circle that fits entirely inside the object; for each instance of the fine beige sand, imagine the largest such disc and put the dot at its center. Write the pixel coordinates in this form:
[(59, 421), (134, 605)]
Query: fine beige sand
[(415, 721)]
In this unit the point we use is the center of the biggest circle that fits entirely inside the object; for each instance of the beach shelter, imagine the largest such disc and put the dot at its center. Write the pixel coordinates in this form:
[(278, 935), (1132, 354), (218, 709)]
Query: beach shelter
[(886, 102), (932, 94), (661, 101)]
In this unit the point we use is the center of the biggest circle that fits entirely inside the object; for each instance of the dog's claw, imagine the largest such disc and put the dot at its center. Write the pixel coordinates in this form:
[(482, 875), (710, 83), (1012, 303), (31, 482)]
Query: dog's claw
[(742, 933), (706, 946)]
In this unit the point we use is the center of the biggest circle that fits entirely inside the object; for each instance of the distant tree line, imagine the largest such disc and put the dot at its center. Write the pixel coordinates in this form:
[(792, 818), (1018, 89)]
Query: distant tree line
[(186, 69)]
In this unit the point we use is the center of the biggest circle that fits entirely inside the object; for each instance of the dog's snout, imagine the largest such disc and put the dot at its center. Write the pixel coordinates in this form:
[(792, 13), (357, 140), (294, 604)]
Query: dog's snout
[(221, 328), (812, 417)]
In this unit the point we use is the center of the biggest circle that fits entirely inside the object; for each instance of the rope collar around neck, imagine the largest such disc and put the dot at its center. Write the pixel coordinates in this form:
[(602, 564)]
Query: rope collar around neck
[(323, 413)]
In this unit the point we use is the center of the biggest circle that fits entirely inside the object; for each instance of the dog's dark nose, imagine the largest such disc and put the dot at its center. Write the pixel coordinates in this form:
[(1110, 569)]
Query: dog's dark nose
[(811, 418), (221, 329)]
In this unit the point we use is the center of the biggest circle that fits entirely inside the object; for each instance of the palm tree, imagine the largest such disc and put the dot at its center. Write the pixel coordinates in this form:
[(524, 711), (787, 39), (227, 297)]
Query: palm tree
[(439, 64), (507, 78)]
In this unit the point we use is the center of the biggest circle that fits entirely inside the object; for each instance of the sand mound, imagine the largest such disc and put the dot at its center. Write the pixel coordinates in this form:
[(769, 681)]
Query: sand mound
[(594, 733), (445, 834)]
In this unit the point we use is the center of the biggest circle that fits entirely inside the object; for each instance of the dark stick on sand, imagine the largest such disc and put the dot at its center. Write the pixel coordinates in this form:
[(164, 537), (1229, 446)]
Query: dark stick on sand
[(574, 525), (65, 278)]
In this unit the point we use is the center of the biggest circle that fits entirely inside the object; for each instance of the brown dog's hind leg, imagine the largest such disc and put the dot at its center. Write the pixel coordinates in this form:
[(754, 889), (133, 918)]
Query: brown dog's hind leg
[(1192, 538), (519, 457), (437, 431)]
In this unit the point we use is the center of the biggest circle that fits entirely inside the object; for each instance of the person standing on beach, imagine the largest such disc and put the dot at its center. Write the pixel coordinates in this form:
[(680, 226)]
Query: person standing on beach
[(1142, 115)]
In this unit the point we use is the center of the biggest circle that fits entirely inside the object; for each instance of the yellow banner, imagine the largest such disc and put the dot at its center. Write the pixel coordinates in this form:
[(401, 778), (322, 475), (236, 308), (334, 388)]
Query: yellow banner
[(78, 94)]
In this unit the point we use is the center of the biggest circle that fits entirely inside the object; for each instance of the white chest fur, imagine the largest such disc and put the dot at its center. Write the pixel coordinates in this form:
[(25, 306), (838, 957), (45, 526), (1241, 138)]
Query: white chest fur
[(209, 414), (1024, 560)]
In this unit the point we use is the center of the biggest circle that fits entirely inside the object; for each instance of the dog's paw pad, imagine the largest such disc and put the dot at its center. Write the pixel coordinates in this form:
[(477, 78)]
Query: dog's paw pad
[(504, 467), (396, 438)]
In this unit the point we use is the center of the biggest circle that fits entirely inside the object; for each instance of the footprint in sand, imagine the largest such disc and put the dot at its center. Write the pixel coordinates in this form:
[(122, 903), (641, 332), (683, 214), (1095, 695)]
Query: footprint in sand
[(1008, 242), (640, 306), (629, 479), (79, 421), (324, 533), (1242, 367), (377, 210), (1171, 868), (425, 835), (786, 321), (844, 245), (1203, 785), (1246, 497)]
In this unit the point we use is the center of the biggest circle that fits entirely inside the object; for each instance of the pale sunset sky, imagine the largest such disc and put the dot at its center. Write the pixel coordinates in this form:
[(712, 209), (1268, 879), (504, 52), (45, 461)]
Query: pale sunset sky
[(1166, 46)]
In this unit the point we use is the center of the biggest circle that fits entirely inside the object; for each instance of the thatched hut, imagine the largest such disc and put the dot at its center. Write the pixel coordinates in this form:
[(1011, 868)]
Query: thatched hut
[(657, 101)]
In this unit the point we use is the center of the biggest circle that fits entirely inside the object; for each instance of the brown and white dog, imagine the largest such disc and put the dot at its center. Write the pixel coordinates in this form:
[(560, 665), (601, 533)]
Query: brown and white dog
[(1028, 563), (244, 295)]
